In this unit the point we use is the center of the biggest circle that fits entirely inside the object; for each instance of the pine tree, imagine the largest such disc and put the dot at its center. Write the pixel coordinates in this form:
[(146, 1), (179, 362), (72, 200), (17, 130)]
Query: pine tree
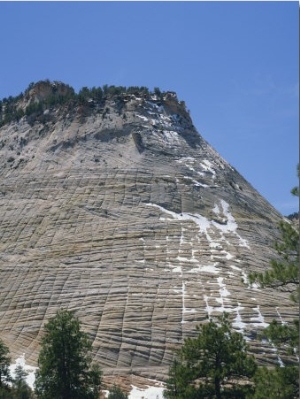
[(278, 383), (5, 360), (65, 365), (213, 365), (157, 92), (115, 392), (21, 389), (283, 275), (296, 190)]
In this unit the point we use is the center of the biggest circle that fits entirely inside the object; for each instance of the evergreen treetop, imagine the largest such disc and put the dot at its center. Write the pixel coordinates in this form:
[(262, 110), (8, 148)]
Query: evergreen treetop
[(65, 364), (215, 364)]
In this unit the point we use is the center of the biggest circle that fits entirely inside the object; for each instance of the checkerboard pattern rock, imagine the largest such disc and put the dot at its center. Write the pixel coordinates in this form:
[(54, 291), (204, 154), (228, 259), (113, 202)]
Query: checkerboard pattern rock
[(133, 221)]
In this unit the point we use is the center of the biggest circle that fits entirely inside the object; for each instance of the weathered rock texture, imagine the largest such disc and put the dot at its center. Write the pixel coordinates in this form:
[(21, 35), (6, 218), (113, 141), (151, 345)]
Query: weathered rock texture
[(126, 215)]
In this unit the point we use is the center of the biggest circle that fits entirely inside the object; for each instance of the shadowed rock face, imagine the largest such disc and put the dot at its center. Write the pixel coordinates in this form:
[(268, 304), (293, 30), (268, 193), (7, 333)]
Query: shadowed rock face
[(128, 217)]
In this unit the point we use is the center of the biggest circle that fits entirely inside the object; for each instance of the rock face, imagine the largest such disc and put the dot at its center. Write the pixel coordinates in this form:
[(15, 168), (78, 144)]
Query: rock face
[(123, 213)]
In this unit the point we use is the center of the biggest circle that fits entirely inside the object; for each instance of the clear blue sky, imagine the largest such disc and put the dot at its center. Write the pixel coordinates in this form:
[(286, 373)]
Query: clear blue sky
[(235, 64)]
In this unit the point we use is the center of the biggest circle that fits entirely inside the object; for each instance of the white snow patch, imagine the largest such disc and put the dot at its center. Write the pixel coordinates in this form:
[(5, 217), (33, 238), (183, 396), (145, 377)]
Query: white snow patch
[(171, 135), (245, 278), (182, 236), (182, 259), (143, 118), (231, 225), (223, 294), (204, 224), (147, 393), (243, 242), (184, 309), (228, 255), (208, 167), (183, 305), (208, 163), (281, 319), (259, 321), (238, 323), (215, 245), (223, 290), (236, 268), (200, 184), (208, 308), (177, 269), (185, 159), (280, 362), (20, 361), (216, 209), (253, 286), (205, 269), (195, 182), (220, 309)]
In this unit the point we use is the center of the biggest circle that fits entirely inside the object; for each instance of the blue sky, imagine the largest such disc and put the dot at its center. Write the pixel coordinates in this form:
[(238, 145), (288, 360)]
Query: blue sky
[(235, 64)]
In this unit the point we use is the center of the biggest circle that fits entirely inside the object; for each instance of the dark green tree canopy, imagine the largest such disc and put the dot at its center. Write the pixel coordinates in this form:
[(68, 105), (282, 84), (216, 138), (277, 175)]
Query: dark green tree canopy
[(65, 365), (5, 360), (12, 388), (20, 388), (115, 392), (283, 275), (284, 271), (282, 382), (10, 110), (296, 190), (279, 383), (213, 365)]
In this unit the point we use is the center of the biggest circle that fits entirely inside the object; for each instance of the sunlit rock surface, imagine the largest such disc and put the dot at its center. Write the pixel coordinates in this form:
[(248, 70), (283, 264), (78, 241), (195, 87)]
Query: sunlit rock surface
[(127, 216)]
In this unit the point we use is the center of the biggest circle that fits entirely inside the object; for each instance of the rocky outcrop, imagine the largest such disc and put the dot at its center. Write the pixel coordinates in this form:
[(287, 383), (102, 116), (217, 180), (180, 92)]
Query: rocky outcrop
[(127, 216), (45, 90)]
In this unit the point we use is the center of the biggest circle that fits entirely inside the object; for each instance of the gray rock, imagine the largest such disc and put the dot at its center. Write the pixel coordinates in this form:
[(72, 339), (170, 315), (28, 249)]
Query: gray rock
[(139, 226)]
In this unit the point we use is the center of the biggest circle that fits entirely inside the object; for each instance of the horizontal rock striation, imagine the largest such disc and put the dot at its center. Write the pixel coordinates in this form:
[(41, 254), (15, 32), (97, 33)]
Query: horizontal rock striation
[(132, 220)]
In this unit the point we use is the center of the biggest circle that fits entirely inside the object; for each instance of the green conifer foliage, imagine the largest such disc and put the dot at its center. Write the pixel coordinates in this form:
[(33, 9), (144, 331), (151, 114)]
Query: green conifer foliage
[(21, 389), (4, 364), (213, 365), (65, 365), (283, 275), (278, 383), (115, 392), (282, 382)]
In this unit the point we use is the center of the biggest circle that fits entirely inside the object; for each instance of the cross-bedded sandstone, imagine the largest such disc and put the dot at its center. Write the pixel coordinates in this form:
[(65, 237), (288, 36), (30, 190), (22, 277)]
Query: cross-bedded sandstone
[(136, 224)]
